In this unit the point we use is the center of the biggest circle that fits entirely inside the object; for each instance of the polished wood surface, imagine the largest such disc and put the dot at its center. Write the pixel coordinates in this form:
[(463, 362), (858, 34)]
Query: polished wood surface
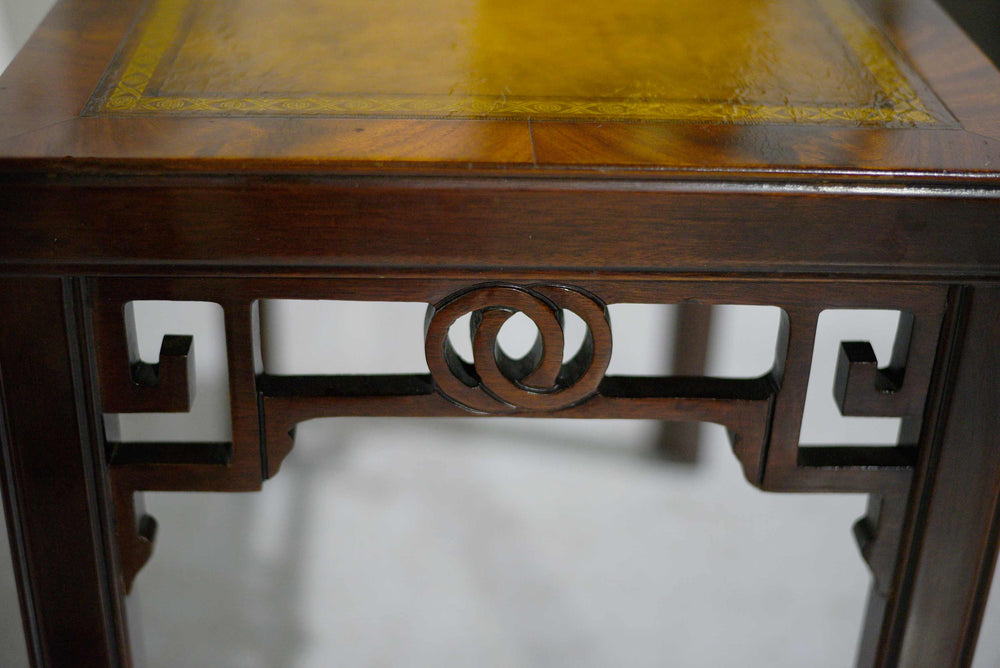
[(915, 47), (845, 156), (58, 502), (548, 225)]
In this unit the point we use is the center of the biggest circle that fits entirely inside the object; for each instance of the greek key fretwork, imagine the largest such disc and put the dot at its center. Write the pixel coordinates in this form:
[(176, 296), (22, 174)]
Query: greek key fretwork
[(862, 389), (496, 384), (762, 415)]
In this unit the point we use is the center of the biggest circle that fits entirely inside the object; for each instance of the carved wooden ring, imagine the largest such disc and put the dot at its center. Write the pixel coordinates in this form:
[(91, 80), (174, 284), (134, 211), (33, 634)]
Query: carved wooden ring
[(540, 381)]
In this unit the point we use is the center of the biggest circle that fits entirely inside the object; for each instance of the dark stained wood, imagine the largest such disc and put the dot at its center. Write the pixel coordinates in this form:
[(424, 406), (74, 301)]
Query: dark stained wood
[(240, 468), (948, 61), (477, 224), (878, 534), (679, 441), (924, 301), (797, 208), (288, 401), (858, 378), (496, 384), (860, 388), (740, 406), (952, 522), (170, 452), (77, 42), (135, 530), (55, 72), (794, 468), (165, 387), (54, 481)]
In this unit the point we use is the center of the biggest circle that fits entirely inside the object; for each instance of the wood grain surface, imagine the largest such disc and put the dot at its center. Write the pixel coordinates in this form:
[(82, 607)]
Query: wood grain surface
[(814, 155)]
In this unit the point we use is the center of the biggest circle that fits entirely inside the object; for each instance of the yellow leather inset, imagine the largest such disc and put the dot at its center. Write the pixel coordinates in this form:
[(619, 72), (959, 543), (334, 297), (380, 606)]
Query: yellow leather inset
[(730, 61)]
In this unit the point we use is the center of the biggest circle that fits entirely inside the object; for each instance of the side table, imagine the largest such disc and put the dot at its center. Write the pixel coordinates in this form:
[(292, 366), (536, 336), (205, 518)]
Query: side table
[(491, 158)]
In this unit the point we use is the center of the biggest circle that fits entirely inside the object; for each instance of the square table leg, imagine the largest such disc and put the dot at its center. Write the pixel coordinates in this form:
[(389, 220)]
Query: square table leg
[(55, 480), (949, 537)]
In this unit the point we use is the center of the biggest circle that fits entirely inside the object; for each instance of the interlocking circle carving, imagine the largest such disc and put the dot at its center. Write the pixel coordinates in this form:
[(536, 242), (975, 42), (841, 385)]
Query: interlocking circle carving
[(540, 381)]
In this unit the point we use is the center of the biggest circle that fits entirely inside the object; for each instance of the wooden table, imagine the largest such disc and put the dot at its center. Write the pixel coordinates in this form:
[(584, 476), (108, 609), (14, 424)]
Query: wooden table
[(492, 157)]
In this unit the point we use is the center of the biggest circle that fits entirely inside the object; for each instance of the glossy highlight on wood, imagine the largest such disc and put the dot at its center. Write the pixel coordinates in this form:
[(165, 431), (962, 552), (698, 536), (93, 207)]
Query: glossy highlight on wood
[(806, 155), (496, 384)]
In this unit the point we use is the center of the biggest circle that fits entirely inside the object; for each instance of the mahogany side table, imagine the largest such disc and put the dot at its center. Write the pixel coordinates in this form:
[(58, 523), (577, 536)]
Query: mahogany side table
[(493, 157)]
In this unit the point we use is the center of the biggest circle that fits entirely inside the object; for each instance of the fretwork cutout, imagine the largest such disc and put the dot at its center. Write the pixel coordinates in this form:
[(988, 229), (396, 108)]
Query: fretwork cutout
[(207, 420), (332, 337), (560, 373), (823, 422), (554, 370)]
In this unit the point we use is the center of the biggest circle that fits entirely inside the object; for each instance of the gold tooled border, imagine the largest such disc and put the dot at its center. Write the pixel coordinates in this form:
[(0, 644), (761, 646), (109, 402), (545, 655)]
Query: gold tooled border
[(868, 44)]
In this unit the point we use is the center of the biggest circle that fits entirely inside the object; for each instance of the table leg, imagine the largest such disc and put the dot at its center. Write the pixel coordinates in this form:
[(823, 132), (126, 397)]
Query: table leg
[(54, 478), (949, 539), (679, 441)]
